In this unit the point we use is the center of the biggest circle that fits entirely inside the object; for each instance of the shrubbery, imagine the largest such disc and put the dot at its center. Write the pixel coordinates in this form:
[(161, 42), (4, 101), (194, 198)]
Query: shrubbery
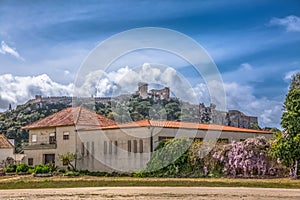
[(249, 158), (11, 169), (17, 168), (42, 169), (22, 168), (170, 159)]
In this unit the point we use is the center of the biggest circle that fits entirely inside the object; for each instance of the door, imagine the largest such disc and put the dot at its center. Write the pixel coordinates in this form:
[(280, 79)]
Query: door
[(49, 158)]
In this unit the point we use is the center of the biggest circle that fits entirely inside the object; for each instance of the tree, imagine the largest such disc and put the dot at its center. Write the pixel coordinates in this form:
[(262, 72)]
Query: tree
[(68, 160), (295, 82), (286, 146)]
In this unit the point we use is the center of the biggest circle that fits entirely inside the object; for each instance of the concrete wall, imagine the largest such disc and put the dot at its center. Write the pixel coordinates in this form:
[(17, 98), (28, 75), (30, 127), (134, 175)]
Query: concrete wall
[(108, 150), (4, 153)]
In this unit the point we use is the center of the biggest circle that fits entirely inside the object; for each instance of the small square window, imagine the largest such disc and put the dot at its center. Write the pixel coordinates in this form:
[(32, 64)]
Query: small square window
[(66, 135), (52, 139)]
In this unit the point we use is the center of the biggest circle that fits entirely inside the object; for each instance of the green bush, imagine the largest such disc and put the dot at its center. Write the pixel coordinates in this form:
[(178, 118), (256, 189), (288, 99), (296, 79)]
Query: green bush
[(22, 168), (31, 170), (42, 169), (11, 169), (170, 159)]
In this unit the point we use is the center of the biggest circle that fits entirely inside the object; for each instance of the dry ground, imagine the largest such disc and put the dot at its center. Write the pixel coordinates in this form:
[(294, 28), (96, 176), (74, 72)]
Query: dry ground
[(86, 187), (204, 193)]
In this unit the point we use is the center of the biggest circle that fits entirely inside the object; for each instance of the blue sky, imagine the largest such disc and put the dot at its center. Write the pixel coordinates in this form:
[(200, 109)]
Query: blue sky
[(255, 45)]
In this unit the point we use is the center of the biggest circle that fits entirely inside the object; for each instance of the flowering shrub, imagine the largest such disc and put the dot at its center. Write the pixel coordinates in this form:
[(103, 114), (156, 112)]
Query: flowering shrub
[(248, 158), (201, 158)]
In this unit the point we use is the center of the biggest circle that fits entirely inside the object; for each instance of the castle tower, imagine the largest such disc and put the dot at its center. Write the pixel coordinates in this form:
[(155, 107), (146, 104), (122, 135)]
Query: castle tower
[(143, 90)]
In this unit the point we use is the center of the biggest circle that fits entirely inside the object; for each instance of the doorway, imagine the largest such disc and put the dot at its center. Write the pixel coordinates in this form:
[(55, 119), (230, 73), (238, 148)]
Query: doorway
[(49, 158)]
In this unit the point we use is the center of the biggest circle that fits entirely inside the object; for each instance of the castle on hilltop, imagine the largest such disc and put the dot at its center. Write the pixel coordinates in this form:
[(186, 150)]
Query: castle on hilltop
[(154, 93), (196, 113)]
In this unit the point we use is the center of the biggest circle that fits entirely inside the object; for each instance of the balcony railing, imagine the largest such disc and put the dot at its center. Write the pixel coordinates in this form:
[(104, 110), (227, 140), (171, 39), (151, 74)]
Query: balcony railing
[(39, 145)]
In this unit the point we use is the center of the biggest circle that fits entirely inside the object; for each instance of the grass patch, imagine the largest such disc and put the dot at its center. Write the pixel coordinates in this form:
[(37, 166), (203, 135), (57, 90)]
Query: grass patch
[(28, 182)]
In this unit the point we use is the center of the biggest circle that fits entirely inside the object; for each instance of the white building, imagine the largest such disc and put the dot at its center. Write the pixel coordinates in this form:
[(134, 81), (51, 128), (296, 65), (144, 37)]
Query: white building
[(102, 145)]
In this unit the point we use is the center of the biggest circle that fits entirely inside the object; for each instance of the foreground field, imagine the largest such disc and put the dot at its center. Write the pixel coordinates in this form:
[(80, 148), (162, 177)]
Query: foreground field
[(149, 193), (28, 182)]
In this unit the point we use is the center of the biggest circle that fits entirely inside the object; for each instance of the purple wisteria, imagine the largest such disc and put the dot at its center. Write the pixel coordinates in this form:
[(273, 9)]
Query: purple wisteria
[(246, 158)]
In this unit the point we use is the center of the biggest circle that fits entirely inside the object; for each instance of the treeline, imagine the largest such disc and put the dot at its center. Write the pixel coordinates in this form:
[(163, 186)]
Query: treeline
[(135, 108)]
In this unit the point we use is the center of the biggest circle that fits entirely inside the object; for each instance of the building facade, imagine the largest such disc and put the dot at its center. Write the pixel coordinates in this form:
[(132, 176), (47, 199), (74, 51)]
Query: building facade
[(102, 145)]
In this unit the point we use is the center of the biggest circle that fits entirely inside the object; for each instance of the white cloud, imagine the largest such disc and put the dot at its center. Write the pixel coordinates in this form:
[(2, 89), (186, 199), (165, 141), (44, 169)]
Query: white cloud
[(66, 72), (5, 49), (19, 89), (291, 23), (246, 67), (125, 80)]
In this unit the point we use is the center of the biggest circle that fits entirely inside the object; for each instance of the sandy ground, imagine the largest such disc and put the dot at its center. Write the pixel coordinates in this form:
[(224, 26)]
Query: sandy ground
[(146, 193)]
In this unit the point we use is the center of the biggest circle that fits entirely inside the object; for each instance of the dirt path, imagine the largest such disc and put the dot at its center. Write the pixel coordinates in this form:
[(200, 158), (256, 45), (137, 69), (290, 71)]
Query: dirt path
[(152, 193)]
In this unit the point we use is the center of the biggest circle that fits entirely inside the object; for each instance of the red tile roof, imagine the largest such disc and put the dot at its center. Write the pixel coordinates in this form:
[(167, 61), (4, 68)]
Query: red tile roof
[(79, 116), (4, 143), (85, 119), (185, 125)]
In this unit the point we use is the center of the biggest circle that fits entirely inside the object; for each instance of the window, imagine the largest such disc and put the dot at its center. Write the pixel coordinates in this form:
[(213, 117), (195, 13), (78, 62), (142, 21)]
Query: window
[(33, 138), (129, 146), (110, 147), (82, 148), (87, 148), (52, 139), (164, 138), (105, 147), (141, 146), (134, 146), (93, 148), (66, 135), (30, 161), (198, 139), (223, 141), (116, 147)]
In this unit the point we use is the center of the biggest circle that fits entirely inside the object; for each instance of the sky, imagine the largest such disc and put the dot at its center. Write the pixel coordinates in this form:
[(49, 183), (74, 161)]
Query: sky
[(255, 45)]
